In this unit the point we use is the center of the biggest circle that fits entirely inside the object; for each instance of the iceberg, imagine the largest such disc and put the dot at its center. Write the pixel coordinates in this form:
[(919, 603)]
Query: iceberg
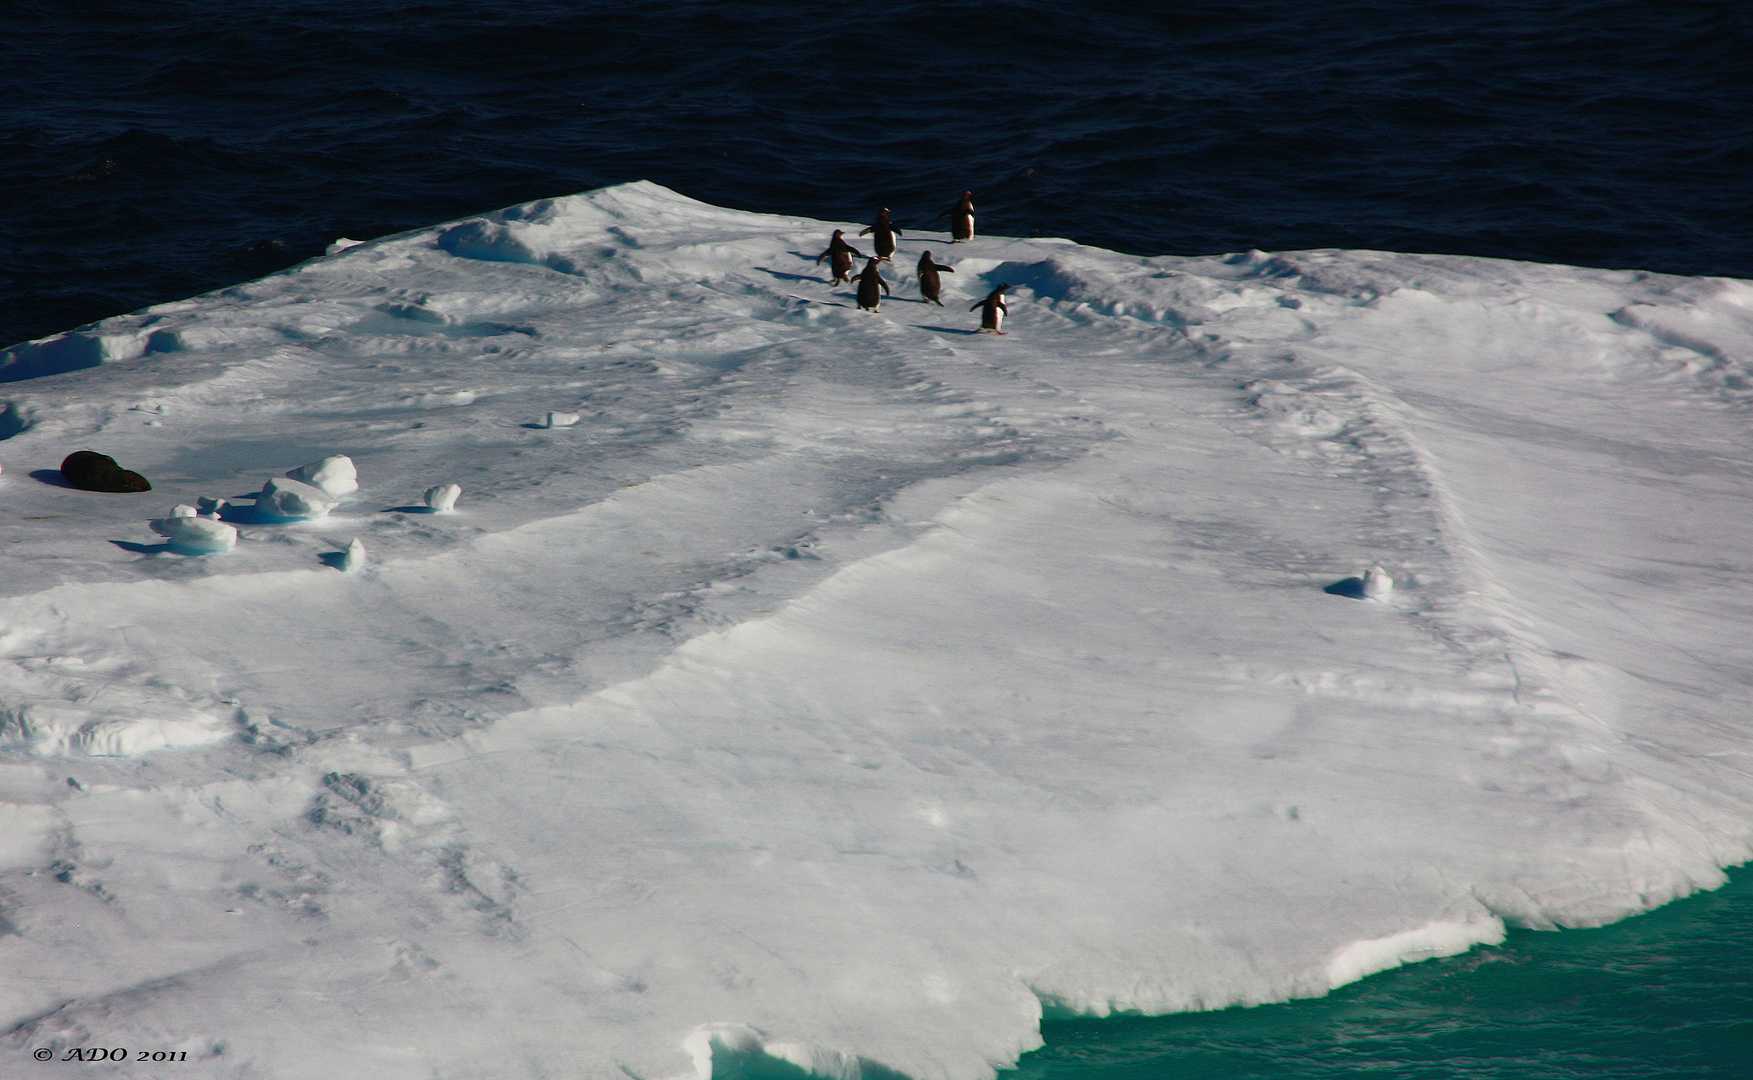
[(856, 689)]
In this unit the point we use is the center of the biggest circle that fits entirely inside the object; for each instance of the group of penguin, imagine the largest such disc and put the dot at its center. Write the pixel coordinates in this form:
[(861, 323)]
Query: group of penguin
[(871, 284)]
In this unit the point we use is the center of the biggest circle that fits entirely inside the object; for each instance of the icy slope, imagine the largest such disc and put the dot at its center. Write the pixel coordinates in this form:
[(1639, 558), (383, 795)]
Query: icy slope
[(850, 687)]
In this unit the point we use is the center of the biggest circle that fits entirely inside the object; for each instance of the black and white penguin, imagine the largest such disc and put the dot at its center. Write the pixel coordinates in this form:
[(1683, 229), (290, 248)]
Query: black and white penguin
[(929, 283), (882, 234), (961, 218), (992, 318), (840, 253), (868, 282)]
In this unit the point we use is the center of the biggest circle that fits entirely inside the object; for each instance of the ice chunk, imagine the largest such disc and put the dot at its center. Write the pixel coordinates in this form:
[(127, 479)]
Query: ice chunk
[(354, 557), (291, 500), (1377, 585), (210, 507), (562, 419), (182, 510), (203, 535), (335, 475), (341, 244), (443, 497)]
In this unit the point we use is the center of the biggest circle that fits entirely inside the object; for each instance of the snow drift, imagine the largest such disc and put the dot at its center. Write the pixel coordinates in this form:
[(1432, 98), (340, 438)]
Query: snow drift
[(841, 689)]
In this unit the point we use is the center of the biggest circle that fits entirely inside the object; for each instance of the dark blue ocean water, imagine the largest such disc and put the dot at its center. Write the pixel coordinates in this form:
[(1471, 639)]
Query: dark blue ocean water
[(155, 150)]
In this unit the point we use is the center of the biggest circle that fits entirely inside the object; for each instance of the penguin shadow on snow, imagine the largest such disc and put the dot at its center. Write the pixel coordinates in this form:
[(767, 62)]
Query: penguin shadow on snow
[(824, 303), (783, 276), (944, 329)]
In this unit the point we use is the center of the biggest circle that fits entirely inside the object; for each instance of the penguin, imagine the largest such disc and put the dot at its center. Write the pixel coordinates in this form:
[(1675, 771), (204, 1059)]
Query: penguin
[(961, 218), (867, 286), (929, 282), (842, 253), (993, 316), (882, 234)]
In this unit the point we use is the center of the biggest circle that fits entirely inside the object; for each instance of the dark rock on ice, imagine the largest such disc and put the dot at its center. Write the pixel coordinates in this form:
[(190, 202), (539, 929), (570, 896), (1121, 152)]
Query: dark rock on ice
[(92, 471)]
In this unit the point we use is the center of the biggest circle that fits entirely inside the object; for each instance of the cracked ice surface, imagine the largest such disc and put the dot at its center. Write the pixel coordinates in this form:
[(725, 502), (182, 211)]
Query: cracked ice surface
[(850, 687)]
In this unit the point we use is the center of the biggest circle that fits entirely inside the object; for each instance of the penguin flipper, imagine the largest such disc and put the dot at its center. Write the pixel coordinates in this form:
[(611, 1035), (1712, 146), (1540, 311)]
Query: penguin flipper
[(866, 230), (945, 269), (977, 303)]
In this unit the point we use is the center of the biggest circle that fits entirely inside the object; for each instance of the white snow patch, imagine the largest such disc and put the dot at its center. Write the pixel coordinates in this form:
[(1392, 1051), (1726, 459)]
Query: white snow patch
[(25, 834), (134, 736)]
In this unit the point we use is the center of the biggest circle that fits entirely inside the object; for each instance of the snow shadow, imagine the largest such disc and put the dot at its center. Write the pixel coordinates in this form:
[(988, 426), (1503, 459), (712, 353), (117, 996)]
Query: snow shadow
[(422, 509), (51, 477), (945, 329), (53, 356), (1351, 587), (13, 420), (166, 548), (336, 559), (247, 513)]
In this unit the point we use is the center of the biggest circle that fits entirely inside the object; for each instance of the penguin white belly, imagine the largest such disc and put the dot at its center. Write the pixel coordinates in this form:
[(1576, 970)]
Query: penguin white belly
[(998, 318), (970, 226)]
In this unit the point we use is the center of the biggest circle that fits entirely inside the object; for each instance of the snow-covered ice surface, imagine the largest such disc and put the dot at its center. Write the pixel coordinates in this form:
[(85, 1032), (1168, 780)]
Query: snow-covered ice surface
[(851, 688)]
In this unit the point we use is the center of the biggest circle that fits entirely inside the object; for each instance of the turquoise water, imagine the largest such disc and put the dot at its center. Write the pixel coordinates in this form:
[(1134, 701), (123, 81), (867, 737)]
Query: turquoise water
[(1667, 994)]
